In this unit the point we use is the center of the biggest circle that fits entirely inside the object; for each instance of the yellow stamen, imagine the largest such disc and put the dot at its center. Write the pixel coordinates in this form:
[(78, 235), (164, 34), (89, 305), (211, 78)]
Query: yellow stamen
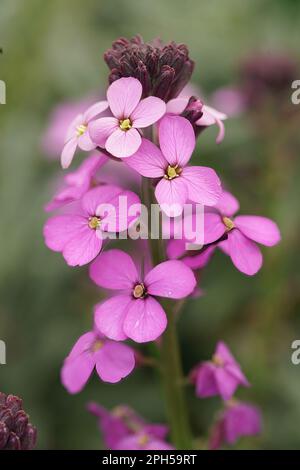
[(217, 360), (125, 124), (229, 224), (80, 130), (97, 345), (172, 172), (94, 222), (139, 291)]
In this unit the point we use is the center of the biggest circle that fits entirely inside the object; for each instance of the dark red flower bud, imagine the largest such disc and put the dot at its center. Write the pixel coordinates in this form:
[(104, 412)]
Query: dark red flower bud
[(163, 70), (16, 433), (193, 110)]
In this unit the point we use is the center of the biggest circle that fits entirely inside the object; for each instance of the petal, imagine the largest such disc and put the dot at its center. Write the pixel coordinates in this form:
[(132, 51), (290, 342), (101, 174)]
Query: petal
[(145, 321), (83, 344), (176, 248), (223, 351), (148, 160), (68, 152), (201, 260), (171, 195), (100, 129), (213, 227), (177, 105), (227, 384), (110, 314), (60, 229), (85, 143), (123, 144), (83, 174), (94, 110), (259, 229), (97, 196), (123, 96), (76, 372), (114, 269), (204, 185), (83, 247), (206, 385), (121, 212), (114, 361), (228, 205), (148, 111), (177, 139), (244, 253), (171, 279)]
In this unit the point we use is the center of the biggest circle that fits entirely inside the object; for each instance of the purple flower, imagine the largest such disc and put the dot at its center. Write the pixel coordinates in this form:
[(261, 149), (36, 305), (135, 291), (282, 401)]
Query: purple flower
[(242, 233), (78, 135), (78, 182), (178, 182), (122, 428), (79, 235), (237, 420), (220, 376), (134, 312), (119, 134), (113, 361)]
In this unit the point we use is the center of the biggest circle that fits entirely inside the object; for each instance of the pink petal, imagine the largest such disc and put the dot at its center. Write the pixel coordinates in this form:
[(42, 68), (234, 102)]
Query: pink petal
[(258, 229), (214, 227), (177, 105), (223, 351), (148, 111), (86, 170), (110, 315), (83, 247), (85, 143), (123, 96), (72, 128), (94, 110), (114, 361), (224, 246), (227, 384), (244, 253), (121, 212), (148, 160), (171, 195), (201, 260), (228, 205), (114, 269), (172, 279), (60, 229), (76, 372), (177, 139), (68, 152), (176, 248), (83, 344), (204, 185), (97, 196), (145, 320), (123, 144), (100, 129), (206, 385)]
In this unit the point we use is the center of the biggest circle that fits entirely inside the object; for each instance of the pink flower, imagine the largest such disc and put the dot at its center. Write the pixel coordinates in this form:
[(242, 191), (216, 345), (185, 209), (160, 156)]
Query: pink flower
[(237, 420), (79, 235), (78, 182), (242, 233), (135, 313), (124, 427), (221, 376), (119, 134), (209, 117), (143, 441), (78, 135), (178, 182), (113, 361)]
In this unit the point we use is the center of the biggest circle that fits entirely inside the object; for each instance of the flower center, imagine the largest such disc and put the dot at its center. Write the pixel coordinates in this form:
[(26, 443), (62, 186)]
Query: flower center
[(125, 124), (80, 130), (229, 224), (217, 360), (97, 345), (143, 440), (139, 291), (94, 222), (172, 172)]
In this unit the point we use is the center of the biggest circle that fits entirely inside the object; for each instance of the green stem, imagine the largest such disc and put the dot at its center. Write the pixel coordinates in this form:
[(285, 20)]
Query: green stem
[(171, 368)]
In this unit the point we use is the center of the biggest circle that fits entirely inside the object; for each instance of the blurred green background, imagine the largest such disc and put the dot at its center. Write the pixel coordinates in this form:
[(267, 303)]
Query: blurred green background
[(52, 53)]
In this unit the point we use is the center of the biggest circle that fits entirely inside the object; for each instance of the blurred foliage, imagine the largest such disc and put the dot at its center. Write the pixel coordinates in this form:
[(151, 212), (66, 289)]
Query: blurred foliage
[(52, 53)]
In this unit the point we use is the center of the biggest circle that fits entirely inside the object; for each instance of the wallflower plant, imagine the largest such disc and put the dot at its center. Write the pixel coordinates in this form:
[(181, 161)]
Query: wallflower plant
[(150, 127)]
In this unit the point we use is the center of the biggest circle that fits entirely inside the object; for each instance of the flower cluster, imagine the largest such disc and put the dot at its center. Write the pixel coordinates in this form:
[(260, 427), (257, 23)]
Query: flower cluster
[(147, 128), (16, 432)]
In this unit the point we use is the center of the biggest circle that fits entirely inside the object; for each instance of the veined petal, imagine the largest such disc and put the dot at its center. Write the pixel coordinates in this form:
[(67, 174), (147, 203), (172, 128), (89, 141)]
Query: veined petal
[(259, 229), (114, 361), (228, 205), (58, 230), (94, 110), (176, 139), (83, 247), (97, 196), (110, 315), (177, 105), (85, 143), (214, 227), (123, 96), (148, 111), (100, 129), (114, 269), (204, 185), (68, 152), (171, 195), (148, 160), (123, 144), (244, 253), (76, 372), (172, 279), (145, 321)]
